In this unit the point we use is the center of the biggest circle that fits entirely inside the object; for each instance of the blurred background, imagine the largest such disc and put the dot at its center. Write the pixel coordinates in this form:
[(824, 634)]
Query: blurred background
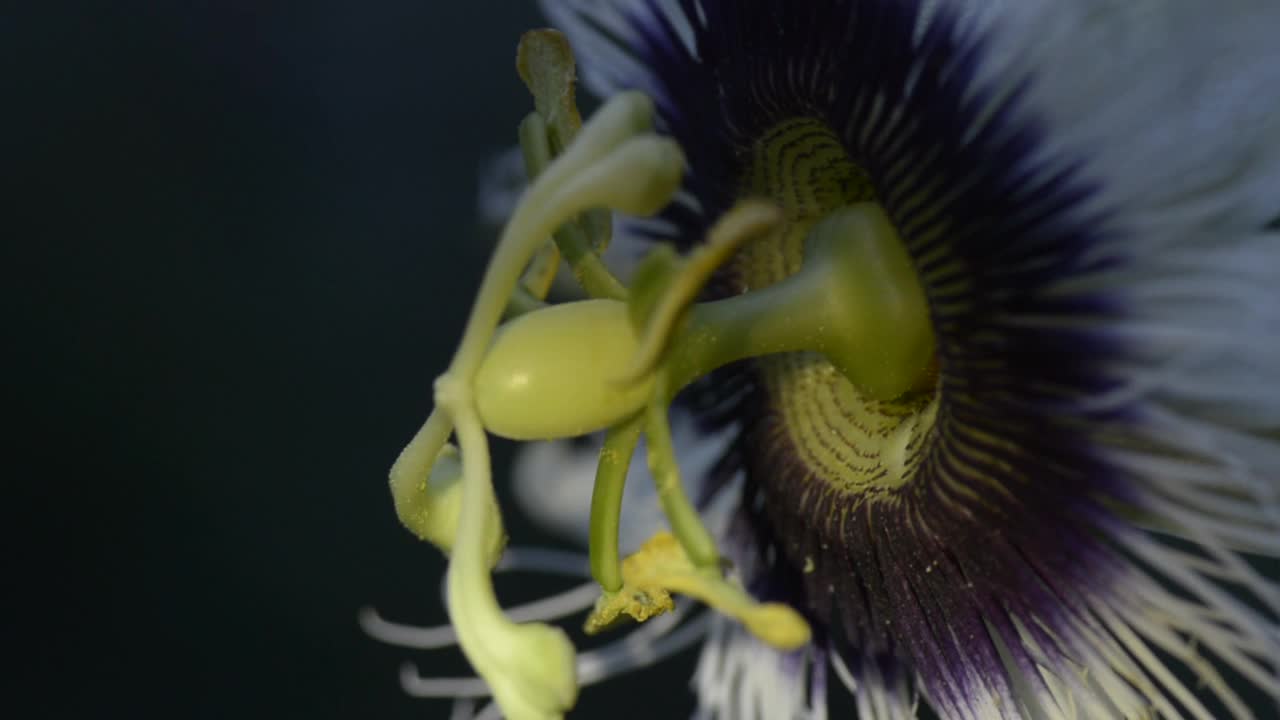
[(248, 240)]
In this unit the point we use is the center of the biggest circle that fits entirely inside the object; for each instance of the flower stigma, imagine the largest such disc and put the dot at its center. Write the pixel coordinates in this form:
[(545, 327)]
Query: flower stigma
[(615, 362)]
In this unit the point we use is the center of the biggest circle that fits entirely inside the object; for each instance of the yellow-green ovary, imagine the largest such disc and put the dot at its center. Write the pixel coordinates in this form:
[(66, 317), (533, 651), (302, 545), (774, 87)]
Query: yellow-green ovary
[(555, 373), (852, 443)]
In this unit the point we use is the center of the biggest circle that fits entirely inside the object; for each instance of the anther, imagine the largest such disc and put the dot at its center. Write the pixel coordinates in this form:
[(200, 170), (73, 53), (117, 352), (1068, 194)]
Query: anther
[(661, 567)]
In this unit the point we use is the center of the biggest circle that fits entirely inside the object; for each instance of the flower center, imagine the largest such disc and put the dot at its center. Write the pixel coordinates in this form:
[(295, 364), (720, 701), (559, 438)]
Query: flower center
[(824, 272), (855, 444)]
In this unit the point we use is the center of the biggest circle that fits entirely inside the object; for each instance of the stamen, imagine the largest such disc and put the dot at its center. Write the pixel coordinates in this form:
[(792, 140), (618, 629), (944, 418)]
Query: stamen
[(529, 667), (450, 501), (685, 521), (661, 567), (648, 645), (606, 502)]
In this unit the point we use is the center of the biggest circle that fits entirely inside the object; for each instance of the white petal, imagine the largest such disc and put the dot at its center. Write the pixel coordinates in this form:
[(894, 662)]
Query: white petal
[(1172, 109), (878, 696), (739, 678), (1172, 104), (1203, 326)]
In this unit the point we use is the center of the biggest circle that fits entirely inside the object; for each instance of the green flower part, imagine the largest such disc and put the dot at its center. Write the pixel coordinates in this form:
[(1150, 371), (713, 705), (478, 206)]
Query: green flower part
[(953, 359)]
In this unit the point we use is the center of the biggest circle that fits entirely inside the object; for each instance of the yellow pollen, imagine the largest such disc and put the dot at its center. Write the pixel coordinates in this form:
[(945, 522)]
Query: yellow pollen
[(661, 567)]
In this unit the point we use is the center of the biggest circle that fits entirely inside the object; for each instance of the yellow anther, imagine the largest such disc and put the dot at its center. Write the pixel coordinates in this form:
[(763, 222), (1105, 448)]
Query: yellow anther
[(643, 594), (661, 567)]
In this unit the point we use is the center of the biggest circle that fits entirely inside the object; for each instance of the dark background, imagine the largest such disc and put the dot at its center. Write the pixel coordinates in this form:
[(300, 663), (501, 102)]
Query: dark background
[(246, 237)]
